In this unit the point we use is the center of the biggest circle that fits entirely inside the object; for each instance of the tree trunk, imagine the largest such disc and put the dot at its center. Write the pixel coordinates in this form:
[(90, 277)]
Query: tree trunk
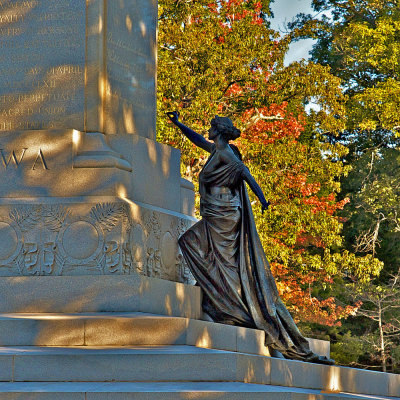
[(381, 339)]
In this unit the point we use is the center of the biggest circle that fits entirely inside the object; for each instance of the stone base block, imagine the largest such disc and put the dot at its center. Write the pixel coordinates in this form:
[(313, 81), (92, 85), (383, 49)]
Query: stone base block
[(71, 294)]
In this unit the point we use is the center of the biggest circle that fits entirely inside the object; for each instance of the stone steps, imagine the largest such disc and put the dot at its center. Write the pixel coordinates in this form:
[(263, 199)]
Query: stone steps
[(165, 391), (123, 364), (134, 337), (130, 329), (181, 363)]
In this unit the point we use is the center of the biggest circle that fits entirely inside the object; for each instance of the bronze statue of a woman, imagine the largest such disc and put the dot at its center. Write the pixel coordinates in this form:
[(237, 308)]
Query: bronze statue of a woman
[(224, 251)]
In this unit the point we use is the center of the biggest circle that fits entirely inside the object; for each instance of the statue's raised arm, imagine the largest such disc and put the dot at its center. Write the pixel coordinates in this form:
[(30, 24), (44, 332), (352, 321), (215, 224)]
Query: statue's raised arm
[(193, 136)]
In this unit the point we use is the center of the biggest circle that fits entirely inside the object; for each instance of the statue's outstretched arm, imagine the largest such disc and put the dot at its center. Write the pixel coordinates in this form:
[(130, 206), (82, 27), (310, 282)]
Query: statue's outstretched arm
[(193, 136), (255, 187)]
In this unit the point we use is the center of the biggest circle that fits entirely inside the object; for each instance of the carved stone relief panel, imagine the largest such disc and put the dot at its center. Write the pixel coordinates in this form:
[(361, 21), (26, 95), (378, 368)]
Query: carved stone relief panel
[(91, 239)]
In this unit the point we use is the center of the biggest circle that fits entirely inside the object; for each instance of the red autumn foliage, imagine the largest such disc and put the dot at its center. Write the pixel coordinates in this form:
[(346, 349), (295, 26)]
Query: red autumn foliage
[(268, 124)]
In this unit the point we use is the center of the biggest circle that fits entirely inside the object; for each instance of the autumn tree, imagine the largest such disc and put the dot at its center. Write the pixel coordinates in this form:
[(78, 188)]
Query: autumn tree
[(222, 57)]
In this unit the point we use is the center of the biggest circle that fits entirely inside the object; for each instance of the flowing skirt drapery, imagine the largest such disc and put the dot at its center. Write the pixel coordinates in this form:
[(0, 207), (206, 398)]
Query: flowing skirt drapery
[(226, 257)]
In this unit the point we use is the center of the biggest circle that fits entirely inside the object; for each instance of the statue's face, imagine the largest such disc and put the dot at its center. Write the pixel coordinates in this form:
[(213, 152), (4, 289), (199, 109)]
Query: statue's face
[(212, 133)]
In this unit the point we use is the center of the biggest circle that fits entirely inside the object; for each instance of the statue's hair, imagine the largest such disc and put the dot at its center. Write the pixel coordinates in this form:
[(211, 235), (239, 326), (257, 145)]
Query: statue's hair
[(225, 127)]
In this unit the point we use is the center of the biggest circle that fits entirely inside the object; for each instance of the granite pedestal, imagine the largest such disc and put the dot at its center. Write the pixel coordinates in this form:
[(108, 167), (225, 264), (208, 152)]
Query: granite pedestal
[(84, 187)]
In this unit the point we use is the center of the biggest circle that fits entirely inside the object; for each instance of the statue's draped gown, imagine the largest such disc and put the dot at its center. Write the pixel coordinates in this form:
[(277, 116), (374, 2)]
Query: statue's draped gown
[(226, 257)]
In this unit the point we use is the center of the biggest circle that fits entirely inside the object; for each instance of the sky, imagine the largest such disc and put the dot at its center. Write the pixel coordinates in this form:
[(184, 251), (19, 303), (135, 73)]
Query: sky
[(284, 11)]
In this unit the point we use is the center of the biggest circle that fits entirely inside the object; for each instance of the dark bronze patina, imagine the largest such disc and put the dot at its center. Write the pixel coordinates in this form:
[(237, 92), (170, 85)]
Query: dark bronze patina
[(224, 251)]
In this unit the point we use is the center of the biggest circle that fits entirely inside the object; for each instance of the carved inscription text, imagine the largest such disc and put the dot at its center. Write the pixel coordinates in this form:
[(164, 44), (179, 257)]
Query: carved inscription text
[(15, 158), (42, 64)]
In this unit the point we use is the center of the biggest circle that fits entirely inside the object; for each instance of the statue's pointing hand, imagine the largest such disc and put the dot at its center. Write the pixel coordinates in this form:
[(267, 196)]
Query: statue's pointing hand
[(173, 116)]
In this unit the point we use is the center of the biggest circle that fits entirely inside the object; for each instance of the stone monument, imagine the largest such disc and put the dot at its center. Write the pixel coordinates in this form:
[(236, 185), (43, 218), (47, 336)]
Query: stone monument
[(91, 207), (85, 189)]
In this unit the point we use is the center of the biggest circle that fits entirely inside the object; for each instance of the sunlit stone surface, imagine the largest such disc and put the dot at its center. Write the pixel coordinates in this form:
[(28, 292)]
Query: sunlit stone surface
[(130, 61)]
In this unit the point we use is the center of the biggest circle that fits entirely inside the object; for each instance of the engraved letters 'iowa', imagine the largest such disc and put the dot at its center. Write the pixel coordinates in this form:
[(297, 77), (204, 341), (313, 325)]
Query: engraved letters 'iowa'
[(11, 158)]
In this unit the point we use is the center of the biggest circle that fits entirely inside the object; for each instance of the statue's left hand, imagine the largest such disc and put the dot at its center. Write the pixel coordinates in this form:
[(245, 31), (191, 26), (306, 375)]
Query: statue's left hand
[(264, 206)]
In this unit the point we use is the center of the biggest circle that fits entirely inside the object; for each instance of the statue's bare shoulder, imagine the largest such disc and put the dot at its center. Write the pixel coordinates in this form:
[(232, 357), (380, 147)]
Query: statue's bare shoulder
[(227, 155)]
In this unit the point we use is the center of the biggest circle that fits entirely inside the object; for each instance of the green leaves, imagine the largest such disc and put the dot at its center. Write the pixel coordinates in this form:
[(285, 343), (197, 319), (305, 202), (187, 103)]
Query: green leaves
[(361, 44)]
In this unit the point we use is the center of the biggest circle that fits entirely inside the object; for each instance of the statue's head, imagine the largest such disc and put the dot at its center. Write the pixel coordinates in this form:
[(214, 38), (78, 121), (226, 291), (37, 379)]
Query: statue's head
[(223, 126)]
